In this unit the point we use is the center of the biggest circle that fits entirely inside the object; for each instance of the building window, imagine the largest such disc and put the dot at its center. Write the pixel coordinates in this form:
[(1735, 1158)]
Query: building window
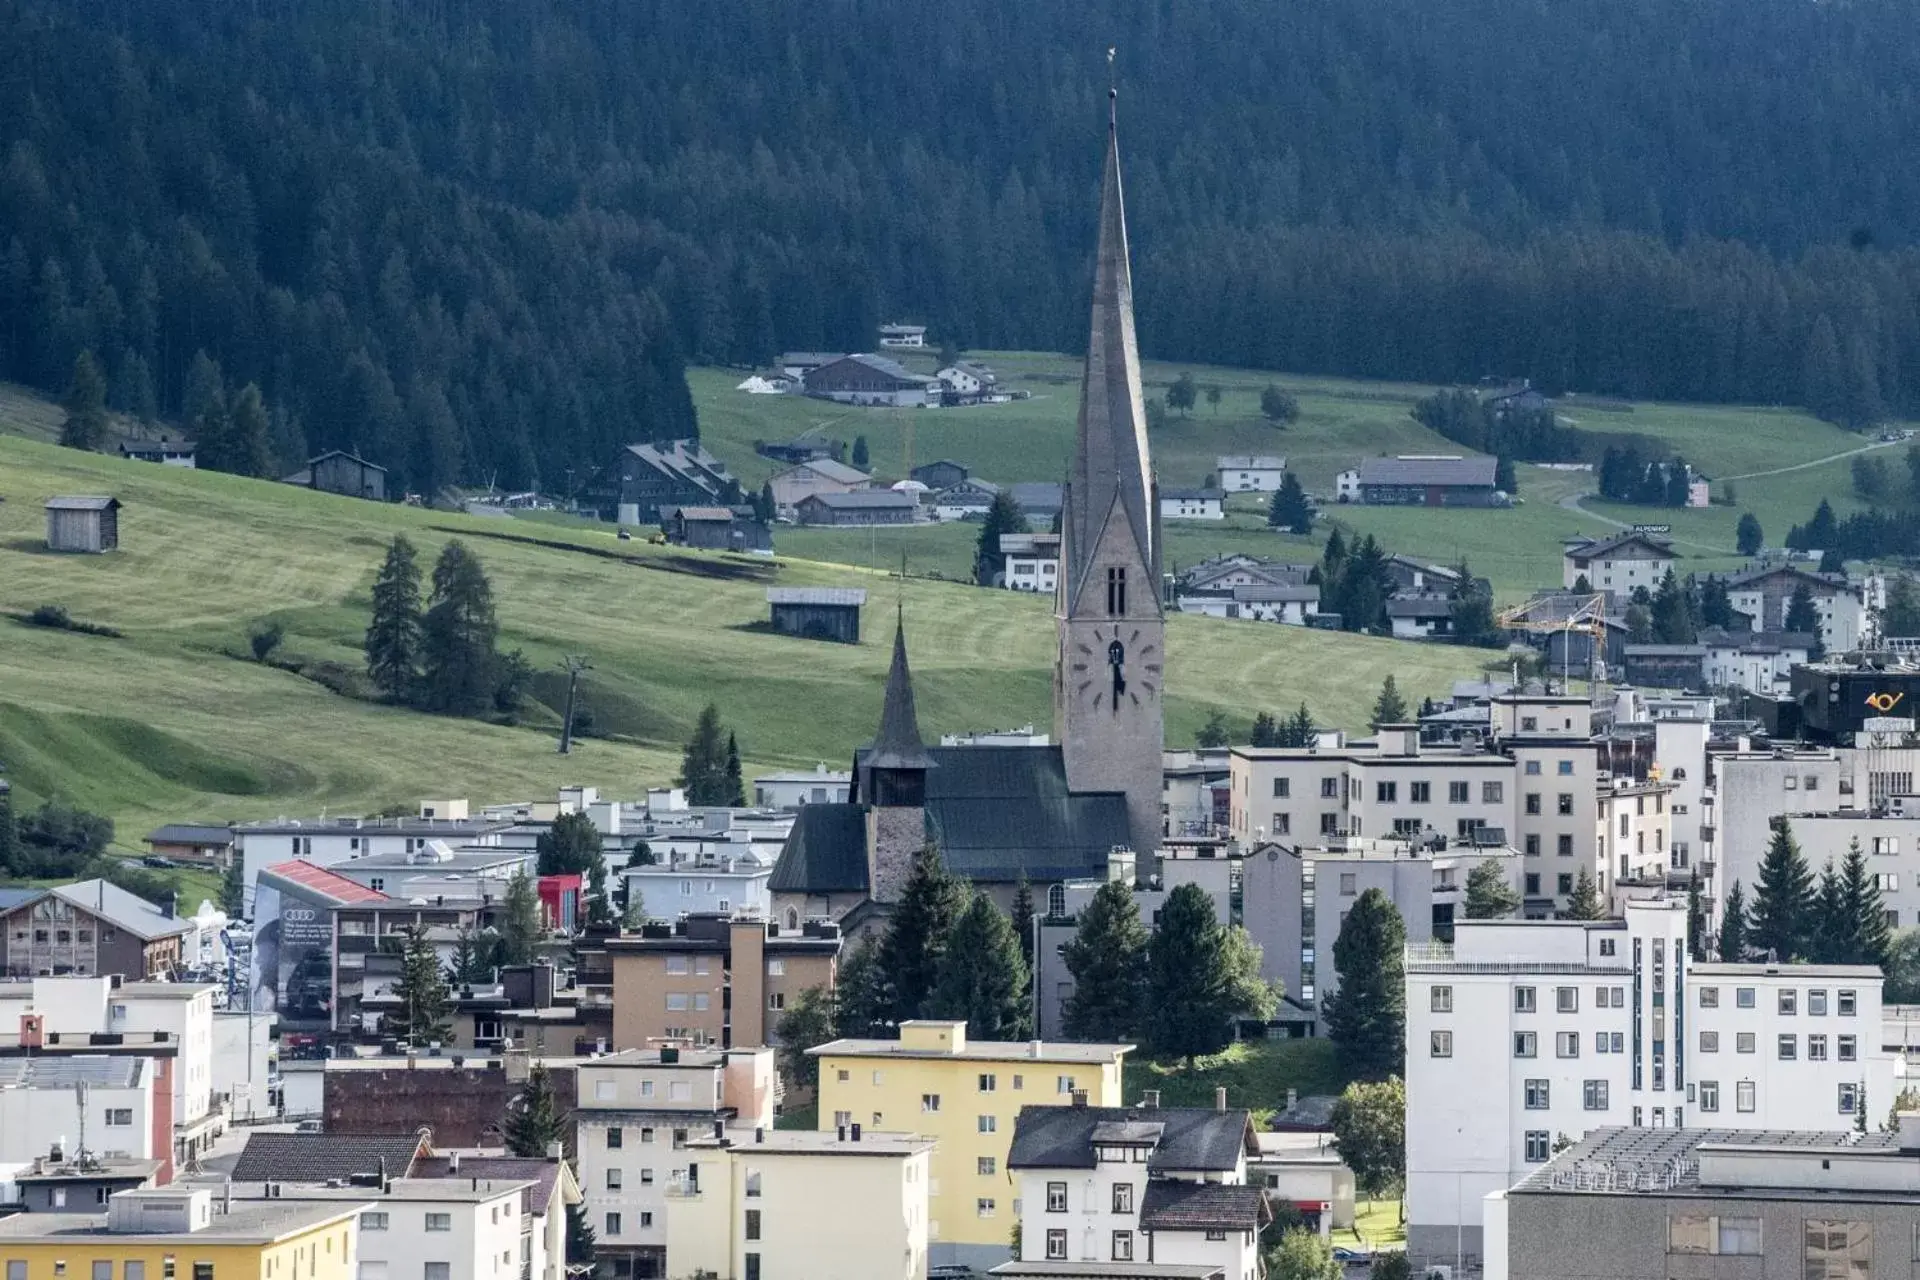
[(615, 1137), (1743, 997), (1789, 1047), (1789, 1002), (1606, 944), (1837, 1250), (1458, 792), (1849, 1097), (1847, 1052), (1123, 1197), (1709, 997), (1539, 1146), (1565, 885), (373, 1221), (612, 1225), (1440, 1000), (1282, 824), (1740, 1236), (1524, 1000), (1282, 788), (439, 1222), (1566, 999), (613, 1182), (678, 964), (1847, 1004), (987, 1124), (1743, 1042), (1743, 1095), (1536, 1095), (1593, 1095), (1056, 900), (1123, 1246), (1710, 1095), (1386, 792), (432, 1271), (1563, 806), (1056, 1197), (1533, 803), (1533, 882), (929, 1102), (1440, 1044), (1329, 788), (1349, 884), (1056, 1245), (753, 1224), (988, 1082), (1329, 824), (1816, 1004), (983, 1207), (1063, 1084), (986, 1165), (1526, 1044), (776, 999), (118, 1117), (1419, 792), (752, 1268), (1566, 1044), (1816, 1048), (1709, 1042), (1116, 591), (1492, 792), (1533, 846)]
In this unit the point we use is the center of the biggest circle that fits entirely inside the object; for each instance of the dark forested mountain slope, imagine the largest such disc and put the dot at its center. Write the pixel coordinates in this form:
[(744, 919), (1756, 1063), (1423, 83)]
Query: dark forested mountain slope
[(477, 237)]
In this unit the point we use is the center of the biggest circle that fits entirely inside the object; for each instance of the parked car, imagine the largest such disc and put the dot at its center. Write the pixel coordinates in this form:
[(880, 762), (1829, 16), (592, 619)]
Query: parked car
[(155, 860), (1349, 1257)]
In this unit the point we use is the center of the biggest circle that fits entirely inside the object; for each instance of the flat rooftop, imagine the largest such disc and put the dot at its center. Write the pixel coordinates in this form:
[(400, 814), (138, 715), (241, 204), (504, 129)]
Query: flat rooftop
[(981, 1050), (815, 1142), (454, 1188), (1629, 1161), (248, 1222)]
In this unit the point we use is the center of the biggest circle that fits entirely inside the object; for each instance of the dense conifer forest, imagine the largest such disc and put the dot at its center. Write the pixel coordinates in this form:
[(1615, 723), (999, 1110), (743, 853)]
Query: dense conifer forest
[(480, 238)]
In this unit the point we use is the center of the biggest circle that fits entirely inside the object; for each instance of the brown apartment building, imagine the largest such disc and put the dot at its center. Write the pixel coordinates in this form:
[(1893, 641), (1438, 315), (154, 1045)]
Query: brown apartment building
[(713, 979), (89, 929)]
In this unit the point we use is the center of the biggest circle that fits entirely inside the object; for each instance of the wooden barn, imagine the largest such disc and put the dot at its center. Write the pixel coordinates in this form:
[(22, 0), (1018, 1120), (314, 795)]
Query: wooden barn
[(818, 613), (83, 523)]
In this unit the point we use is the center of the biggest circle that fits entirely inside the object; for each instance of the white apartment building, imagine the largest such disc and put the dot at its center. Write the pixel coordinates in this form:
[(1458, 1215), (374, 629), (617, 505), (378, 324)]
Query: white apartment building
[(793, 789), (1632, 829), (1616, 564), (328, 841), (1765, 595), (243, 1063), (424, 1228), (798, 1203), (1680, 757), (1891, 843), (74, 1102), (704, 883), (1250, 473), (1524, 1035), (1752, 788), (1118, 1187), (1757, 662), (178, 1015), (636, 1111), (1532, 788), (1032, 561)]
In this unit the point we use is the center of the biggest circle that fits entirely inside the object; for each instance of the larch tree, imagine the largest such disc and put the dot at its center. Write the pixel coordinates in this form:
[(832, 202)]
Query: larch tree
[(459, 663), (1107, 958), (1366, 1018), (393, 642)]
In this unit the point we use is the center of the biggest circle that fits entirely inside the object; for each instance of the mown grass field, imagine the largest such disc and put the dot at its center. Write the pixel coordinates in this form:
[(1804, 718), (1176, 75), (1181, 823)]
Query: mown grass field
[(1341, 422), (167, 723), (1255, 1073)]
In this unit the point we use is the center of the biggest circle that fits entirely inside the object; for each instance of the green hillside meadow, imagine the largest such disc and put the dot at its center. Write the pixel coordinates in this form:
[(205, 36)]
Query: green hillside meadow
[(166, 723)]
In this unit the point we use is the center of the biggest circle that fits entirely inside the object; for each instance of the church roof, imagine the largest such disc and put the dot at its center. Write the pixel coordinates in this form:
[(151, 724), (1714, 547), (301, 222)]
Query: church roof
[(898, 745), (826, 851), (1112, 467)]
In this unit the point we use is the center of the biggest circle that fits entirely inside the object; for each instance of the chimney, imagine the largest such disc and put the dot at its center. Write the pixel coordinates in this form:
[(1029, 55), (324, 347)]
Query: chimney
[(759, 1134), (1150, 1099), (1293, 1099), (854, 1129), (719, 1128), (1079, 1097), (453, 1164), (1909, 1122), (1220, 1098), (554, 1151), (842, 1135)]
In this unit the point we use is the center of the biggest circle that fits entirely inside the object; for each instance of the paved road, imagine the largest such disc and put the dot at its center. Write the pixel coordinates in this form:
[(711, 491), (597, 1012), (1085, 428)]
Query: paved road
[(1817, 462), (1572, 503)]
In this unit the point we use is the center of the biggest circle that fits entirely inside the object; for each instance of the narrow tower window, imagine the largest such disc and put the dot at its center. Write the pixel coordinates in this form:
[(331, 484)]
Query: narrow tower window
[(1116, 592)]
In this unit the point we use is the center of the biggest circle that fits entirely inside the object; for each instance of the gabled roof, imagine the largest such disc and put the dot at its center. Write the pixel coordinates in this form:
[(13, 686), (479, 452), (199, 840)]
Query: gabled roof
[(1192, 495), (1419, 607), (1473, 472), (543, 1174), (1260, 593), (1249, 462), (859, 498), (817, 595), (124, 910), (328, 885), (1757, 642), (342, 453), (1816, 581), (1191, 1139), (317, 1157), (82, 502), (1649, 547), (131, 447), (998, 813), (1037, 495), (832, 470), (940, 462), (11, 897), (825, 852), (715, 515), (190, 833), (1202, 1206)]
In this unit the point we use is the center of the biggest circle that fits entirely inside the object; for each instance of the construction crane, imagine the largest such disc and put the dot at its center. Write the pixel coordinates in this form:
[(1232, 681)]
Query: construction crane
[(1567, 615)]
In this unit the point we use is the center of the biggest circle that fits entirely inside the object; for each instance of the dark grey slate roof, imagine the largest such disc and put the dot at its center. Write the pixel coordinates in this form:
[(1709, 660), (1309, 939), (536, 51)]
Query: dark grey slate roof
[(1000, 812), (81, 502), (1476, 472), (316, 1157), (1419, 607), (1655, 548), (1194, 1139), (898, 744), (190, 833), (1202, 1206), (125, 910), (881, 498), (826, 851), (1037, 495)]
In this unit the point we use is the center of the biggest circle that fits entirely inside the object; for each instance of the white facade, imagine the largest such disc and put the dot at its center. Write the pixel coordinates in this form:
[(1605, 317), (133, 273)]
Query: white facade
[(1752, 788), (1892, 847), (429, 1227), (1094, 1216), (793, 790), (1845, 622), (243, 1063), (1243, 474), (1632, 830), (40, 1111), (1618, 568), (1039, 574), (1346, 486), (702, 884), (1680, 753), (1191, 504), (326, 842), (1525, 1033), (1763, 669)]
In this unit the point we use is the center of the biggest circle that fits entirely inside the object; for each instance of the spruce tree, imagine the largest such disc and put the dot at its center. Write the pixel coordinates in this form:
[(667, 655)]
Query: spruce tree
[(520, 924), (860, 454), (1586, 902), (1747, 535), (1866, 938), (920, 931), (1023, 917), (736, 787), (1003, 516), (1389, 707), (1107, 958), (863, 998), (982, 977), (249, 450), (1828, 926), (581, 1243), (1366, 1018), (421, 1016), (569, 846), (85, 426), (233, 882), (1290, 509), (1489, 896), (1698, 944), (1779, 923), (533, 1116), (1299, 729), (703, 761), (393, 634), (1189, 1005), (1733, 926), (1265, 731), (459, 661)]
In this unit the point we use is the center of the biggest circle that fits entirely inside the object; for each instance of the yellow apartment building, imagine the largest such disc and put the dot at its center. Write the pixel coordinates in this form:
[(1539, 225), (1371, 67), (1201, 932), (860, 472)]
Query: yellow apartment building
[(187, 1233), (965, 1095), (793, 1205)]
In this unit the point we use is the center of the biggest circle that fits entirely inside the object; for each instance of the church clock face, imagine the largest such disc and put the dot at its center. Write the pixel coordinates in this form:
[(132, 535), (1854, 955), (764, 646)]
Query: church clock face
[(1117, 670)]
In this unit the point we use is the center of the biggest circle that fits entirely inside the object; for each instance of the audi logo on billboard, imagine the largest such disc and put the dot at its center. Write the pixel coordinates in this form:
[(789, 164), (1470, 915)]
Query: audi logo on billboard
[(299, 915)]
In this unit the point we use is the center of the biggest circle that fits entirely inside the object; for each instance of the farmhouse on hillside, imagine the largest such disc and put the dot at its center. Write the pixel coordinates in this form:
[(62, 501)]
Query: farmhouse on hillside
[(868, 380), (798, 364), (171, 453), (644, 480), (1250, 473), (816, 475), (911, 336), (799, 449), (1616, 564), (345, 473), (818, 613), (1192, 504), (941, 474), (715, 529), (83, 522), (1420, 480), (868, 506)]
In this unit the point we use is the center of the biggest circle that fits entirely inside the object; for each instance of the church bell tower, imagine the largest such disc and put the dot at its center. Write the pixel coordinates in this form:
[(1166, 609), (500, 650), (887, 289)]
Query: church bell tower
[(1108, 681)]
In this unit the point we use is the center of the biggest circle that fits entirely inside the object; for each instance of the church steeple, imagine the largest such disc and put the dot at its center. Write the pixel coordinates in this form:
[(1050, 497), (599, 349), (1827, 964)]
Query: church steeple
[(1112, 468), (894, 767)]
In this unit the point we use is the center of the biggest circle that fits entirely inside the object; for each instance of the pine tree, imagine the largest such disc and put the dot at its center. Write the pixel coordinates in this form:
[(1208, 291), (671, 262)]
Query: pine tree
[(457, 639), (1003, 516), (1733, 926), (1503, 475), (1299, 730), (249, 452), (863, 998), (570, 845), (1699, 945), (1586, 902), (1747, 535), (1290, 509), (982, 977), (1023, 917), (920, 931), (533, 1116), (1190, 997), (736, 787), (1778, 925), (1489, 896), (1828, 925), (85, 426), (520, 924), (233, 882), (421, 1017), (860, 455), (1366, 1018), (581, 1243), (1802, 616), (1389, 707), (393, 634), (1864, 937), (1107, 957), (703, 761)]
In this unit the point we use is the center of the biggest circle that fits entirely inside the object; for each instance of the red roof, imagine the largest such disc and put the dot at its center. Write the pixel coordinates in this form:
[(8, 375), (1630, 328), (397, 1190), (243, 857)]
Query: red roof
[(340, 890)]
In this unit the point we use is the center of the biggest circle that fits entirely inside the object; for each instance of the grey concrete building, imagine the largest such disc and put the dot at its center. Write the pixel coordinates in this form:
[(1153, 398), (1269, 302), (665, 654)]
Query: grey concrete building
[(1681, 1204)]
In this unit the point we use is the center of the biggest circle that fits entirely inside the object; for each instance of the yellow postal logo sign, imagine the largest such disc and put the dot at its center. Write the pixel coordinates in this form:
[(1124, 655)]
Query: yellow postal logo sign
[(1884, 702)]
